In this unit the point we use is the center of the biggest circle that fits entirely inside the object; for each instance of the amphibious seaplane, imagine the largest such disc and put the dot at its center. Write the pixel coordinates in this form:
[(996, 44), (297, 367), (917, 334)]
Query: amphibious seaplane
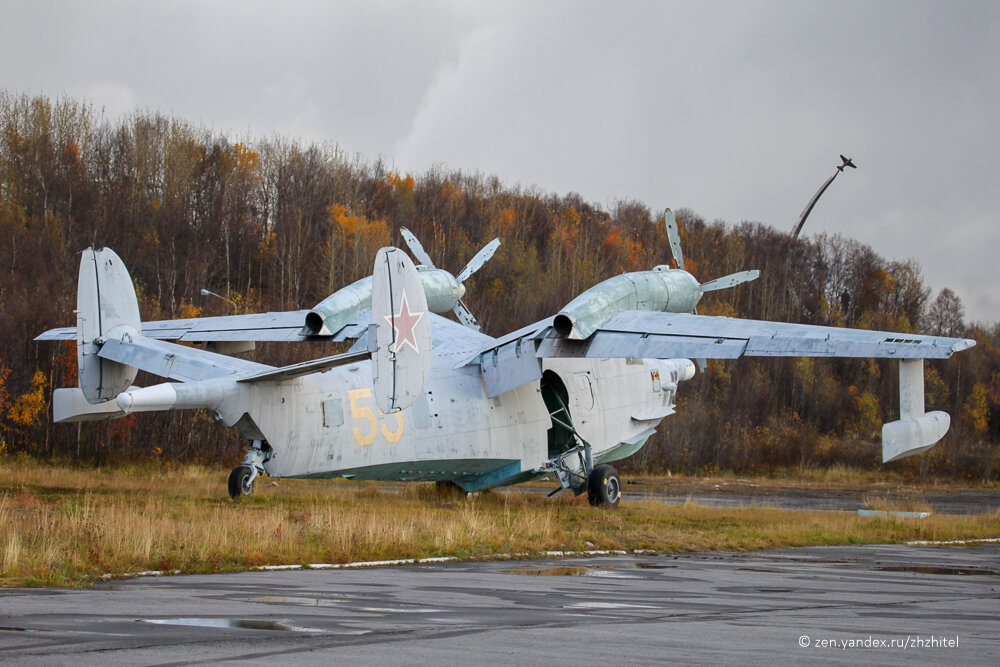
[(420, 397)]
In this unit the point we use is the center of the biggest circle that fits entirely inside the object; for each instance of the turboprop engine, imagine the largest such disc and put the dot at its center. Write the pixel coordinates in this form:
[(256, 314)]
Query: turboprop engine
[(334, 312), (443, 291), (662, 289)]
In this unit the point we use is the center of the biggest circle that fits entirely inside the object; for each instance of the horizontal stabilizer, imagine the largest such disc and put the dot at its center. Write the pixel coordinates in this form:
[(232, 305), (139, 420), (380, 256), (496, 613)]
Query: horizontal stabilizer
[(177, 362), (310, 367)]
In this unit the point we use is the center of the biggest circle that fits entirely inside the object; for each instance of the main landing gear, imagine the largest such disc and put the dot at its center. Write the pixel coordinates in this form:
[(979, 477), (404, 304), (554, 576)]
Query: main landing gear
[(242, 477), (571, 458), (604, 487), (575, 471)]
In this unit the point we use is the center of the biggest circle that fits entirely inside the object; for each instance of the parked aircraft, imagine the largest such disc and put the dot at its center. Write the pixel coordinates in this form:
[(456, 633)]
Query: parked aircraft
[(420, 397)]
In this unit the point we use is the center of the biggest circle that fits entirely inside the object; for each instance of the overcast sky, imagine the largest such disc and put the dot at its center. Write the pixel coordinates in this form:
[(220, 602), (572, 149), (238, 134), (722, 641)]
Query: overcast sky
[(737, 110)]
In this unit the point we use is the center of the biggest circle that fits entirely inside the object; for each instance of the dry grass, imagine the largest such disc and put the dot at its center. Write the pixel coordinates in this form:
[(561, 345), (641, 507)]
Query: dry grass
[(65, 526)]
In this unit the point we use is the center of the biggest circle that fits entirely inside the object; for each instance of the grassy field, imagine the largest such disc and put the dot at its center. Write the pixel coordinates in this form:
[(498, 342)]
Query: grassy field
[(64, 526)]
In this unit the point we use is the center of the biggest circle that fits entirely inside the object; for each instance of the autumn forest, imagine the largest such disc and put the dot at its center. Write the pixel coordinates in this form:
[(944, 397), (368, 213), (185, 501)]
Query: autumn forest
[(276, 224)]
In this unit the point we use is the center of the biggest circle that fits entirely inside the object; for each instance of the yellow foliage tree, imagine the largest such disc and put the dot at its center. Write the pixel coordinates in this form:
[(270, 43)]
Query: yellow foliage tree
[(976, 411), (866, 420), (353, 243), (27, 408)]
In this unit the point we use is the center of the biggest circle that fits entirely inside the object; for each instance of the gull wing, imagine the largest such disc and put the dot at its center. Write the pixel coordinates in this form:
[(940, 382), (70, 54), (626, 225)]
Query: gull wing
[(638, 333), (514, 360)]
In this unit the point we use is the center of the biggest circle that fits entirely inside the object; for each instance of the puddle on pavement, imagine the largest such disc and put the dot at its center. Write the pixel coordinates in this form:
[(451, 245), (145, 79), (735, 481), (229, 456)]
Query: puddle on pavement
[(608, 605), (606, 571), (920, 569), (338, 603), (758, 569), (613, 571), (557, 572), (301, 601), (392, 610), (239, 623)]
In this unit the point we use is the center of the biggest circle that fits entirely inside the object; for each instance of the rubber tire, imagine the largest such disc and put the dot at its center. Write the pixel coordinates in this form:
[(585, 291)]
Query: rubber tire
[(237, 482), (604, 487)]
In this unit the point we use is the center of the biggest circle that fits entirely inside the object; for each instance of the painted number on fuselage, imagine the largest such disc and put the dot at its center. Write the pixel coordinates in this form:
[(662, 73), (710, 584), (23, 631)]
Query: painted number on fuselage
[(364, 413)]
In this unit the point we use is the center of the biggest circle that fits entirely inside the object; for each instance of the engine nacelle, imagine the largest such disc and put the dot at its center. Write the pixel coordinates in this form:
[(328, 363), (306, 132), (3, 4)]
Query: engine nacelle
[(662, 289), (345, 305), (440, 288)]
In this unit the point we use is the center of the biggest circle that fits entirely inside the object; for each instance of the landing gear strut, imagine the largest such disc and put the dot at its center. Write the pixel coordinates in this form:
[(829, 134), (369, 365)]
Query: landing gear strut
[(242, 477)]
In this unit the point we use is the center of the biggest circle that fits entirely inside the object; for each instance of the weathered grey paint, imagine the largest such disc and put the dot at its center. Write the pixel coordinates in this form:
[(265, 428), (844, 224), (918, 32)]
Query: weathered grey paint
[(662, 289), (348, 304)]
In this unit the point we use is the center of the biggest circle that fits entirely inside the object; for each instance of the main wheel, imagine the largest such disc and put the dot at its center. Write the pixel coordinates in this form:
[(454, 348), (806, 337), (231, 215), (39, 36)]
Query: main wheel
[(239, 482), (604, 487)]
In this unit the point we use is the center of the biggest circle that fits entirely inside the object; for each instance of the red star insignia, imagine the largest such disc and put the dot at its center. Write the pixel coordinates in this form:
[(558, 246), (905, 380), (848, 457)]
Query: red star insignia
[(405, 324)]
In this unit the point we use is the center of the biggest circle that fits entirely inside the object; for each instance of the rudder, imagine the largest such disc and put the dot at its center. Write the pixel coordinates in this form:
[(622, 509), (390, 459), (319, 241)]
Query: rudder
[(106, 307), (401, 362)]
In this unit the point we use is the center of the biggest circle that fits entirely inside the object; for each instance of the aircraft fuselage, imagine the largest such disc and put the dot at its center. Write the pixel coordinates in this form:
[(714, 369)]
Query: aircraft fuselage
[(328, 425)]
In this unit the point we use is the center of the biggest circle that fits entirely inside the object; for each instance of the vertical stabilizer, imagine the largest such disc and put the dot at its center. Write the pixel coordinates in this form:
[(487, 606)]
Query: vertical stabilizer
[(106, 307), (401, 363)]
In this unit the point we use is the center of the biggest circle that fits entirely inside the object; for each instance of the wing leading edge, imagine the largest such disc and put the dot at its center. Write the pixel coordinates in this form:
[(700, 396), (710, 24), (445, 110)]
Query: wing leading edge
[(276, 326), (636, 333)]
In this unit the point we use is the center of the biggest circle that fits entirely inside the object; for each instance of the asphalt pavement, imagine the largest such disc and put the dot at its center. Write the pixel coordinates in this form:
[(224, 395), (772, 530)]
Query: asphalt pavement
[(888, 605)]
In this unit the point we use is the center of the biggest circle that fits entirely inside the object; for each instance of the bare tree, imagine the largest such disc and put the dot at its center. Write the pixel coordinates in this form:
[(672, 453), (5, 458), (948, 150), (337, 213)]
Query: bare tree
[(945, 316)]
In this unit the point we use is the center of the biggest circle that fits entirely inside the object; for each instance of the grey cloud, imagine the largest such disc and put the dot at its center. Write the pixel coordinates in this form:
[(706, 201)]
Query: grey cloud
[(735, 109)]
